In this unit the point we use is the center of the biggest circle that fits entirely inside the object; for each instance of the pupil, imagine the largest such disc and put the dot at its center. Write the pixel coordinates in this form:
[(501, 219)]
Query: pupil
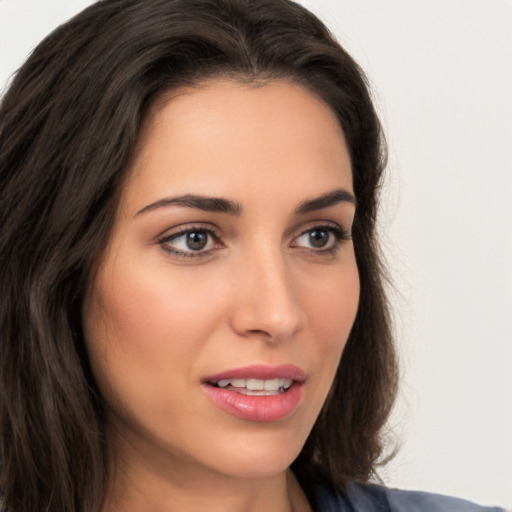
[(197, 240), (318, 238)]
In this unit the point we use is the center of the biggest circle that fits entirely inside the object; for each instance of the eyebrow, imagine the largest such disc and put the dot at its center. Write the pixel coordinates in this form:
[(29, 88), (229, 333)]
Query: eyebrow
[(220, 205), (329, 199), (208, 204)]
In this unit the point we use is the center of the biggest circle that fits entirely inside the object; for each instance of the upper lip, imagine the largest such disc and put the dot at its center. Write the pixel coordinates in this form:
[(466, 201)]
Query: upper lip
[(260, 371)]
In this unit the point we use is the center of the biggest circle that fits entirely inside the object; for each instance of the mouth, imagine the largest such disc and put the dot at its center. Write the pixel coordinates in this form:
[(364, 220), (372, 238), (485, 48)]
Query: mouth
[(257, 392), (254, 387)]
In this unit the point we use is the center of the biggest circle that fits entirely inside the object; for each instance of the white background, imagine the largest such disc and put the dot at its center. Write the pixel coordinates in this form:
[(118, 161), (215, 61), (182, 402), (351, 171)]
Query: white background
[(442, 76)]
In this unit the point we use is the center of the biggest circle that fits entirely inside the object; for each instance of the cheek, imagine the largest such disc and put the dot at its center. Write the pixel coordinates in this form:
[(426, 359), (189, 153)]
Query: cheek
[(332, 310), (145, 327), (128, 332), (332, 318), (123, 318), (134, 327), (140, 311)]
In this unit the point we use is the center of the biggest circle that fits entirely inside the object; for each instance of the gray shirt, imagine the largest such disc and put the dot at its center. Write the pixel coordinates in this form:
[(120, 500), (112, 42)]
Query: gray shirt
[(374, 498)]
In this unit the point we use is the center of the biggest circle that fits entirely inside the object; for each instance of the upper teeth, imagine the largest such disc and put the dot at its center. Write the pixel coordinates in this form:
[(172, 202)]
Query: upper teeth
[(256, 384)]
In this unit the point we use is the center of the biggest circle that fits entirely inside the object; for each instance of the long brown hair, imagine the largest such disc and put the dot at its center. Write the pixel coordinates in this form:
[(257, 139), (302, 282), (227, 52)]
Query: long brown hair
[(68, 126)]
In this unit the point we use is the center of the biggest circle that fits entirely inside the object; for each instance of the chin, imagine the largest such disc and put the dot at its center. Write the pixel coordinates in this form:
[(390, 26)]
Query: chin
[(256, 455)]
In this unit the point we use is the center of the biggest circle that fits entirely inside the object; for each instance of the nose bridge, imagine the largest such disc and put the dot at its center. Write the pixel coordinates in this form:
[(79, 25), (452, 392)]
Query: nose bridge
[(267, 300)]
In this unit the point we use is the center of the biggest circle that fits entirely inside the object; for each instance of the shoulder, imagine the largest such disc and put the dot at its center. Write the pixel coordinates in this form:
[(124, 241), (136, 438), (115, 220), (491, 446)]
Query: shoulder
[(373, 498), (416, 501), (402, 501)]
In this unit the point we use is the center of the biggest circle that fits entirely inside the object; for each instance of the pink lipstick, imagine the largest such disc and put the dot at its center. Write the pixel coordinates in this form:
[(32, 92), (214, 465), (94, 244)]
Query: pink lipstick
[(257, 392)]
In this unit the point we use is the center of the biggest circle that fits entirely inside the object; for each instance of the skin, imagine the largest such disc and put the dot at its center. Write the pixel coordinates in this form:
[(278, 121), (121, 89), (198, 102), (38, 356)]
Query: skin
[(158, 321)]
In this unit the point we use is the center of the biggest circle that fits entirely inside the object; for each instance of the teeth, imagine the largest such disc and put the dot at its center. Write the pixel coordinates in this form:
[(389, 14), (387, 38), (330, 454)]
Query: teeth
[(256, 384), (272, 385)]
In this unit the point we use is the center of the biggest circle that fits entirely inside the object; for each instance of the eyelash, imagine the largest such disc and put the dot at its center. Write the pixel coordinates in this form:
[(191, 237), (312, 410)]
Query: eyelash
[(338, 233), (185, 230)]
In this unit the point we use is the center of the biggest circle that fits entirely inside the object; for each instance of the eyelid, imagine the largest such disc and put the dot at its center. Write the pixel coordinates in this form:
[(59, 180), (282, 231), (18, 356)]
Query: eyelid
[(339, 233), (327, 225), (171, 234)]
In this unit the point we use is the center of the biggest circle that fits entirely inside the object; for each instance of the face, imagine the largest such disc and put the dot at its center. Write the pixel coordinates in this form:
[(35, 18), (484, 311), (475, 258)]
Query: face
[(220, 308)]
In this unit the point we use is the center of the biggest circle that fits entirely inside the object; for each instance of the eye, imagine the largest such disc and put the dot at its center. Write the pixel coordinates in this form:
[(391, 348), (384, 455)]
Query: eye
[(321, 238), (190, 242)]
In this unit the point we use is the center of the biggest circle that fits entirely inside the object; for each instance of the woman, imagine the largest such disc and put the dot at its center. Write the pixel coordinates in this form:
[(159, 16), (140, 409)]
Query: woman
[(192, 308)]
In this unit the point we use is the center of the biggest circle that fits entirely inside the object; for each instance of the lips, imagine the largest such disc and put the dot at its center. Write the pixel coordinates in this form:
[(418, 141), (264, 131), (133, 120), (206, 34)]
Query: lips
[(257, 392)]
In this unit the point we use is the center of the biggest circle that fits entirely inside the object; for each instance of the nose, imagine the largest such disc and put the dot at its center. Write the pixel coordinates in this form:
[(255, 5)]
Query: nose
[(266, 301)]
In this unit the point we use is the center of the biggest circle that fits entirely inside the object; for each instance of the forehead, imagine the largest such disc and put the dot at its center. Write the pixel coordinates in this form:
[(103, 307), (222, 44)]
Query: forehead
[(211, 138)]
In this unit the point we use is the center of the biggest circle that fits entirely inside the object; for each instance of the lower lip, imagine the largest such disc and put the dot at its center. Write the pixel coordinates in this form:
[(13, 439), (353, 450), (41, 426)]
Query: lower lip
[(257, 408)]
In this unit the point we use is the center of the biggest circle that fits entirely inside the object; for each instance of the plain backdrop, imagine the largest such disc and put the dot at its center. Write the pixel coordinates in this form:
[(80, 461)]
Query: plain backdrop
[(441, 71)]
